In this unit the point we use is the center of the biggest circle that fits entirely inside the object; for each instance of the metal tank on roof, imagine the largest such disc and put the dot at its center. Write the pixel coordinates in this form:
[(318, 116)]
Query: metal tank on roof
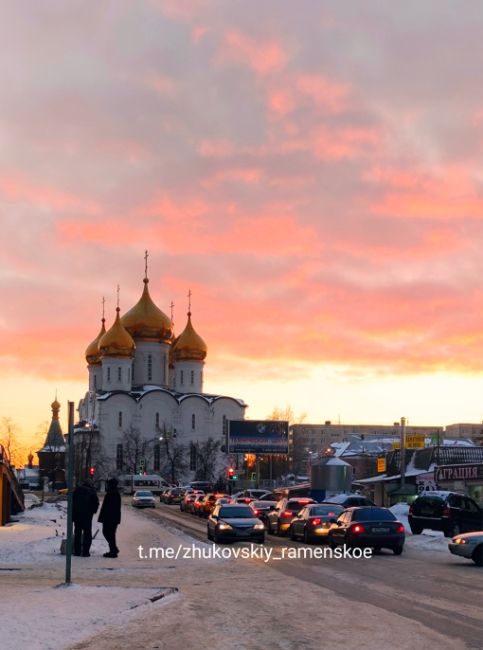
[(330, 474)]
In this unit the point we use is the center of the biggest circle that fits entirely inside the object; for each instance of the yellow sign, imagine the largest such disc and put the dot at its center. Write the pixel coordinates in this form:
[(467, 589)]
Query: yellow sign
[(381, 464), (414, 441)]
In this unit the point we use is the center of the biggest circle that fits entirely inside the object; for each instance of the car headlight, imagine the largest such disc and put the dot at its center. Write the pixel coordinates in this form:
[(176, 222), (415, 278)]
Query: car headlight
[(259, 526), (223, 526), (459, 540)]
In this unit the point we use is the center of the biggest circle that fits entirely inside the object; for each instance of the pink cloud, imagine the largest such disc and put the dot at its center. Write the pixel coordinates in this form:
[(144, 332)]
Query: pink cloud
[(263, 57)]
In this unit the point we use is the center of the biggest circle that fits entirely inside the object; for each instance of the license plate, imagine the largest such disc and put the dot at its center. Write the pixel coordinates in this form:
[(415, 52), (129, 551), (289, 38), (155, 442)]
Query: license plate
[(380, 530)]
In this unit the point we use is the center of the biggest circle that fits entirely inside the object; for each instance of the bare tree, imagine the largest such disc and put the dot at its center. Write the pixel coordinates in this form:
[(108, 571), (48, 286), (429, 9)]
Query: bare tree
[(286, 413), (174, 455), (136, 450), (16, 452), (206, 459)]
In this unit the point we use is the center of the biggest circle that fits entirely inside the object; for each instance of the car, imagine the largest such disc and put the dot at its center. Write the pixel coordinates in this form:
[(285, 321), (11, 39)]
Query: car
[(449, 512), (368, 526), (174, 496), (195, 505), (204, 486), (280, 518), (163, 494), (208, 503), (234, 522), (469, 545), (223, 500), (188, 497), (313, 523), (349, 500), (253, 494), (143, 499), (262, 508)]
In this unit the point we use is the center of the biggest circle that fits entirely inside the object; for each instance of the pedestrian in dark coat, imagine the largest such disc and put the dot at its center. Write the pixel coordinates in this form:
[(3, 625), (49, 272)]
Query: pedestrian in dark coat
[(110, 516), (84, 506)]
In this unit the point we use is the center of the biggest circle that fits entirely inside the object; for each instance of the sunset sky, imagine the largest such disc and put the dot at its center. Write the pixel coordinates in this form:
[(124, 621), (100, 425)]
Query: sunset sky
[(311, 170)]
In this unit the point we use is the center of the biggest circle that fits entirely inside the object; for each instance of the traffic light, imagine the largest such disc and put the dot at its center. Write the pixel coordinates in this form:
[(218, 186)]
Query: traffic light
[(92, 471), (231, 474)]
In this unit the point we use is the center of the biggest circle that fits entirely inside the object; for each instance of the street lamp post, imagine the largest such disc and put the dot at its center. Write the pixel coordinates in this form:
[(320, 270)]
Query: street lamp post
[(403, 451)]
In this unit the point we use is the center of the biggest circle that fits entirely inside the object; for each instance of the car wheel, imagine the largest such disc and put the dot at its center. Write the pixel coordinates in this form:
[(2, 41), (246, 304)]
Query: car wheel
[(215, 538), (415, 529), (377, 549), (397, 550), (307, 538), (477, 556), (332, 542), (279, 530), (269, 527), (451, 530), (293, 537), (208, 533)]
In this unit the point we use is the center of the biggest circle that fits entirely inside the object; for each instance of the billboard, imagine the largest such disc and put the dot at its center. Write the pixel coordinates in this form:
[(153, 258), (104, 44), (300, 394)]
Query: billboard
[(258, 437)]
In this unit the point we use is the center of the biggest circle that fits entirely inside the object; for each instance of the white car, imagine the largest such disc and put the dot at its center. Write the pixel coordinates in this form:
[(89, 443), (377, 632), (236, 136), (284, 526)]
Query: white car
[(468, 545), (143, 499)]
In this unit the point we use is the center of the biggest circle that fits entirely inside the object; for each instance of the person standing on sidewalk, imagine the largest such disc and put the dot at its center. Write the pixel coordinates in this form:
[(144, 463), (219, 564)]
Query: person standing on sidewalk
[(84, 506), (110, 516)]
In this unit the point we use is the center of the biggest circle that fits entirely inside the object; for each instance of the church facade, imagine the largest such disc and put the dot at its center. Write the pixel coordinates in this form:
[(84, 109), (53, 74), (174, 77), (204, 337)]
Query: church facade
[(145, 409)]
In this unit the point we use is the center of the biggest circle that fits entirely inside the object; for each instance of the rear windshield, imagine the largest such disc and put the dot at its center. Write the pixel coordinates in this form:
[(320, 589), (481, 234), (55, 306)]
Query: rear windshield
[(263, 504), (296, 505), (428, 504), (144, 494), (326, 511), (177, 492), (373, 514), (236, 511)]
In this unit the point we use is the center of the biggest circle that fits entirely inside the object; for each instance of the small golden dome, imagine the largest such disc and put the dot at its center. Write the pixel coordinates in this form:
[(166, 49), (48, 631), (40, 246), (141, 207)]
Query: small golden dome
[(145, 321), (55, 406), (189, 346), (117, 342), (93, 354)]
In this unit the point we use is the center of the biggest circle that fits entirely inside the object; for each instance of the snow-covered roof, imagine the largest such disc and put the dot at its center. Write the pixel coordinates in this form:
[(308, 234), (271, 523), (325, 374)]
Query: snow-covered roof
[(142, 391)]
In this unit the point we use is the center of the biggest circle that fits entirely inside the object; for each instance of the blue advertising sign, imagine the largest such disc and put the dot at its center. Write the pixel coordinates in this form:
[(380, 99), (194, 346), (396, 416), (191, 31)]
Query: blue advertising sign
[(258, 437)]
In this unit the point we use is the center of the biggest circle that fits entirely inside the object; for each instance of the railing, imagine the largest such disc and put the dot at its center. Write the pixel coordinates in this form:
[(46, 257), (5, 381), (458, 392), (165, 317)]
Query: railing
[(11, 494)]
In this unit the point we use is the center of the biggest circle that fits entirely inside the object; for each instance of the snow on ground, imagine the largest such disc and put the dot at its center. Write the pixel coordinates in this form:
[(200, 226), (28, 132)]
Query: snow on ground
[(56, 617), (429, 540)]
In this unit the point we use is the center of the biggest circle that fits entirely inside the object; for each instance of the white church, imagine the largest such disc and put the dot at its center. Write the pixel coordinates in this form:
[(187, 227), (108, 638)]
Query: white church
[(145, 381)]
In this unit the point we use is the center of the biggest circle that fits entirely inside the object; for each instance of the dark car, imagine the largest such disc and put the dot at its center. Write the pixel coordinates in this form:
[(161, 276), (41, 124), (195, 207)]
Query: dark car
[(349, 500), (175, 495), (262, 508), (280, 518), (234, 522), (368, 527), (449, 512), (314, 522)]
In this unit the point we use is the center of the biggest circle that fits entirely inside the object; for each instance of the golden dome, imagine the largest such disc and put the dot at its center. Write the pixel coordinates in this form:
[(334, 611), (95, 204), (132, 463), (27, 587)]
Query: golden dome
[(93, 354), (145, 321), (117, 342), (189, 346), (55, 406)]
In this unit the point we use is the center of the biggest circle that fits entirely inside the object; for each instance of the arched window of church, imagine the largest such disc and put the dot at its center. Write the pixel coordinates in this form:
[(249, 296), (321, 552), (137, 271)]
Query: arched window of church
[(108, 374), (181, 377), (193, 457), (95, 382), (192, 377), (193, 421), (119, 419), (119, 374), (119, 457), (157, 421), (150, 367)]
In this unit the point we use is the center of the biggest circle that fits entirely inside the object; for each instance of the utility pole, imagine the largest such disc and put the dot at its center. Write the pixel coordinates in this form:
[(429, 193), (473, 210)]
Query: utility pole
[(70, 488), (403, 451)]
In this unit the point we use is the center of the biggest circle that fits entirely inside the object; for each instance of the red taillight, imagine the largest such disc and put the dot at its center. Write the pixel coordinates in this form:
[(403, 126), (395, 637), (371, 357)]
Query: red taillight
[(399, 528), (286, 514), (256, 512), (316, 522), (357, 528), (446, 511)]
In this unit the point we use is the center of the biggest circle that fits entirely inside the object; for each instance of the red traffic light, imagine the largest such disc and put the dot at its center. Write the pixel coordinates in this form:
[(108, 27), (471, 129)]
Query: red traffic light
[(231, 471), (92, 471)]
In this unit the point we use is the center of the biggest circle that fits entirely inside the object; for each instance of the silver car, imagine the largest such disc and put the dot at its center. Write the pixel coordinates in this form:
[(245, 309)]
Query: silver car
[(468, 545), (143, 499)]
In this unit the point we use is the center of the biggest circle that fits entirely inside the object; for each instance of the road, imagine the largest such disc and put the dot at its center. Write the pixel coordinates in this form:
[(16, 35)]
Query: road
[(440, 591)]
